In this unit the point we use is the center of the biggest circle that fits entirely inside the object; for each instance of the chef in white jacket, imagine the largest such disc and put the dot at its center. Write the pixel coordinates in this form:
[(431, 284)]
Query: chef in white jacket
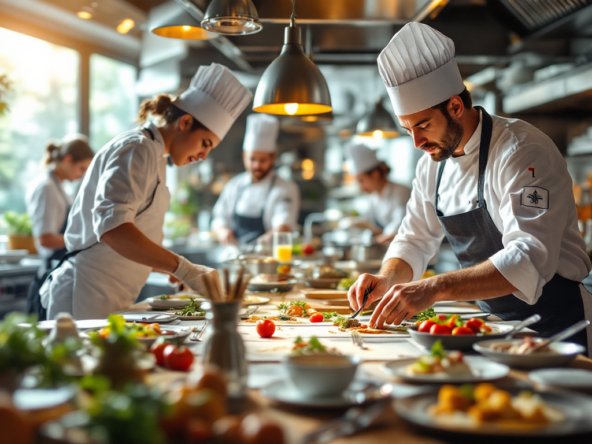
[(496, 188), (114, 229), (258, 201), (386, 200)]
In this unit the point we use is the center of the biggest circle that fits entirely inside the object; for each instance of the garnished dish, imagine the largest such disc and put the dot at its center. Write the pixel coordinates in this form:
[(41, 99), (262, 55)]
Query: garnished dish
[(192, 311), (520, 348), (140, 331), (312, 346), (485, 404), (145, 333), (172, 301), (440, 361), (349, 324)]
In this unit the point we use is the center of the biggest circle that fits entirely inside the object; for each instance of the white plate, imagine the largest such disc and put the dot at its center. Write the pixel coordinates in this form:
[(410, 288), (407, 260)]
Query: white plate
[(283, 391), (272, 287), (83, 324), (460, 310), (149, 317), (482, 369), (38, 399), (250, 299), (569, 378), (173, 302)]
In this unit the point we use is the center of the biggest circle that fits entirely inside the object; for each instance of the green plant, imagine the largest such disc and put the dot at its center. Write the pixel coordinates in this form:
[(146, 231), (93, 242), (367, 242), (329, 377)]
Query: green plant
[(5, 88), (18, 224), (20, 347)]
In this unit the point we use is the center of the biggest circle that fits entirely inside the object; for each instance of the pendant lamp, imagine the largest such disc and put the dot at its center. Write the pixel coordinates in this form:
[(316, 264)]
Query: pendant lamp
[(232, 17), (181, 25), (292, 84), (378, 123)]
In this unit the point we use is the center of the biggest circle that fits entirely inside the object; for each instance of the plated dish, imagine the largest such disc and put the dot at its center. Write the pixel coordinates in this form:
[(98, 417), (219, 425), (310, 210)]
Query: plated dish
[(568, 378), (500, 350), (545, 415), (272, 287), (251, 299), (172, 301), (148, 333)]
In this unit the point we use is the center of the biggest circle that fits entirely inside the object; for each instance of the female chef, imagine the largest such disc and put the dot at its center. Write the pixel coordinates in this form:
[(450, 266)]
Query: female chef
[(48, 203), (496, 188), (386, 200), (115, 225)]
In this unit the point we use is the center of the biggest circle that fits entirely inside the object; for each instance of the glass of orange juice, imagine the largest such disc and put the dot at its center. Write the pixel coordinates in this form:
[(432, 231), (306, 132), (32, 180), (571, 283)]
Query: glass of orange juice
[(282, 247)]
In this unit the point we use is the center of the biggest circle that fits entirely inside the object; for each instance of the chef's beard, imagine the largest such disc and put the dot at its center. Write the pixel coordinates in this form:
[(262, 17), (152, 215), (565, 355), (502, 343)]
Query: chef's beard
[(258, 175), (447, 147)]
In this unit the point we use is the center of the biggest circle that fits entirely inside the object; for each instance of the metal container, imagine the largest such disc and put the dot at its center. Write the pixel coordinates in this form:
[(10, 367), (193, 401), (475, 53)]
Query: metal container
[(256, 264), (364, 253)]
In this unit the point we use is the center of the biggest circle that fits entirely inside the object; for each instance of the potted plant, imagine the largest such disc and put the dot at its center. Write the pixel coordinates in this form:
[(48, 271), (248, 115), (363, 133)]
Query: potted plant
[(20, 232)]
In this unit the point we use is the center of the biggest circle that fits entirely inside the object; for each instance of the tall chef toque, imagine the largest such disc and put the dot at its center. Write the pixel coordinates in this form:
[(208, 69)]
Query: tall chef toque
[(215, 97), (418, 69), (261, 133), (362, 158)]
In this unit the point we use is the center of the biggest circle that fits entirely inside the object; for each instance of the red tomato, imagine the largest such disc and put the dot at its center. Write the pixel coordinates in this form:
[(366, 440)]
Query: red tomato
[(439, 329), (474, 324), (460, 331), (316, 317), (177, 357), (441, 317), (307, 249), (265, 328), (157, 350), (425, 326)]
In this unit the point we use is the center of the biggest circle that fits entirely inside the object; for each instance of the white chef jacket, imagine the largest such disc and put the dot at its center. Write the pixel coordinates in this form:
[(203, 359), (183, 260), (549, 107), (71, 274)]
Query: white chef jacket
[(47, 205), (539, 230), (280, 205), (126, 182), (388, 207)]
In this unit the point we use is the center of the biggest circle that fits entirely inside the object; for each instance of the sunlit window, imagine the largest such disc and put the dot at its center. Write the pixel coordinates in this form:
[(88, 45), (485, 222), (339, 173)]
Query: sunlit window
[(43, 105), (113, 102)]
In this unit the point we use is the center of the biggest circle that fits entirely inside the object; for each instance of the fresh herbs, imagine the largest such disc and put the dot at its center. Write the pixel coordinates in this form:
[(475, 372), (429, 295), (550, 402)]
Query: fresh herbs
[(313, 345), (425, 314), (193, 308), (294, 308), (20, 346)]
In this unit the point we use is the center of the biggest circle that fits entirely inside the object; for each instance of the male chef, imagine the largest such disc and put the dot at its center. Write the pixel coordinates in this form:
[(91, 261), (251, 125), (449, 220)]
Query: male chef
[(497, 189), (258, 201)]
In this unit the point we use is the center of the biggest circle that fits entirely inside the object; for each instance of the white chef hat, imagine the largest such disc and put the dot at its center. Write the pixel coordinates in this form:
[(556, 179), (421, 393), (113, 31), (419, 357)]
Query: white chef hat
[(362, 158), (261, 133), (418, 69), (215, 97)]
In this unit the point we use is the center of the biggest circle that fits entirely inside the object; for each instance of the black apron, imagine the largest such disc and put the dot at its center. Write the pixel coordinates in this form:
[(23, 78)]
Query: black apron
[(246, 229), (474, 238)]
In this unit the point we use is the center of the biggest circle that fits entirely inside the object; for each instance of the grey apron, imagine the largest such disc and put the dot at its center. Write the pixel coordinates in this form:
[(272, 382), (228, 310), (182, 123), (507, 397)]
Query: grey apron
[(245, 228), (474, 238)]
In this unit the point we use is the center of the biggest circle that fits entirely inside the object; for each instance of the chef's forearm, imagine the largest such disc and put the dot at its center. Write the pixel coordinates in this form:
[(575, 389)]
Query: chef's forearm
[(396, 270), (51, 240), (482, 281), (131, 243)]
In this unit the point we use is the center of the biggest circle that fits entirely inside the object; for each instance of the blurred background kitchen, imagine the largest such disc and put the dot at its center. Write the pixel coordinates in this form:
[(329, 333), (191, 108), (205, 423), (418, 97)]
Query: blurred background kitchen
[(83, 66)]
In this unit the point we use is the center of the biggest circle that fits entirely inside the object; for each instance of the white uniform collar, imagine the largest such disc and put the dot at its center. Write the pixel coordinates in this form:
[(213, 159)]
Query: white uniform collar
[(474, 141), (266, 179), (155, 132)]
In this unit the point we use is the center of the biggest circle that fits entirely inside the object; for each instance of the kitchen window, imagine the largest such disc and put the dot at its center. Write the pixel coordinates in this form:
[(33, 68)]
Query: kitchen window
[(113, 101), (43, 105)]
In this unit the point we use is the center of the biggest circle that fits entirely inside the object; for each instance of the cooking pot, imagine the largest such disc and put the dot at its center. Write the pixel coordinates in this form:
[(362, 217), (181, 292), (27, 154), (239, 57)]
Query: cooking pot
[(258, 264), (364, 253)]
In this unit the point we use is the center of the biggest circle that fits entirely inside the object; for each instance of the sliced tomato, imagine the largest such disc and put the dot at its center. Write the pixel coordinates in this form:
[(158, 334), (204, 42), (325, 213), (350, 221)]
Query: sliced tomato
[(440, 329), (462, 331), (266, 328), (178, 357), (425, 326), (316, 317)]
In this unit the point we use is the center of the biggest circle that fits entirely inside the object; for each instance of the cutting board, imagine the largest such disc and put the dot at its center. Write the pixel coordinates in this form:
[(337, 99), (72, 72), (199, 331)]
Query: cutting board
[(322, 307), (324, 294)]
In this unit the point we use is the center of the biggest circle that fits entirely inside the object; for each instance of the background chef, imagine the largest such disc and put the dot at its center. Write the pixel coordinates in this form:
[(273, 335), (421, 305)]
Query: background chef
[(497, 189), (48, 204), (115, 226), (386, 200), (258, 201)]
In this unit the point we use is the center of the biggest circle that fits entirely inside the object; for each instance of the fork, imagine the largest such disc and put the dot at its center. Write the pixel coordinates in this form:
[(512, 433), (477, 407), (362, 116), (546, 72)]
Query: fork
[(358, 340), (196, 336)]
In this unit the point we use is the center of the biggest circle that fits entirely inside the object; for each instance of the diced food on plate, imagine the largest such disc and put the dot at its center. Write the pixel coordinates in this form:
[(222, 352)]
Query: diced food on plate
[(520, 348), (442, 324), (440, 361), (312, 346)]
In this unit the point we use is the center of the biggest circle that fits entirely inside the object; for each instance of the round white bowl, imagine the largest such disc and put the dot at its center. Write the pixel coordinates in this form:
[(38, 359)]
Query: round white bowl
[(321, 374)]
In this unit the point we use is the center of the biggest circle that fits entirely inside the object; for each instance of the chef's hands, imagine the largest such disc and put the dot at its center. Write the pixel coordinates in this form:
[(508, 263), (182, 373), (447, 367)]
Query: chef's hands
[(401, 301), (191, 275), (355, 294)]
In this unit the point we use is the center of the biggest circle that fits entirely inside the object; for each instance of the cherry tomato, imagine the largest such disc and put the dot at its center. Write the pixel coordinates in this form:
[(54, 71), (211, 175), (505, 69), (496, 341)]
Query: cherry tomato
[(425, 326), (461, 331), (177, 357), (474, 324), (441, 317), (157, 350), (265, 328), (316, 317), (439, 329)]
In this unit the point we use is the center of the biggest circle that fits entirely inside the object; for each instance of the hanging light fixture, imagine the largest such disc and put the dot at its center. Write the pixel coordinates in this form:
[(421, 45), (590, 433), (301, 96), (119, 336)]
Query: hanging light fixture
[(292, 84), (232, 17), (180, 25), (378, 123)]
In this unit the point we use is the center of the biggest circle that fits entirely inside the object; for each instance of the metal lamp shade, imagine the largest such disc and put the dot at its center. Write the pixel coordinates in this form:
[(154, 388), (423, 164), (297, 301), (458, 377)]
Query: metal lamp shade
[(181, 26), (232, 17), (378, 124), (292, 84)]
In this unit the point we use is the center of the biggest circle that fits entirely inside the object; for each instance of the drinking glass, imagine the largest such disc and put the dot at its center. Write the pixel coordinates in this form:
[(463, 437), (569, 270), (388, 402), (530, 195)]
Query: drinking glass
[(282, 247)]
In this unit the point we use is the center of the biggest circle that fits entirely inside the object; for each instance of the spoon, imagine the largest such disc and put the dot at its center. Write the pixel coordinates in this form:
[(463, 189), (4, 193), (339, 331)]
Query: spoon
[(561, 335), (528, 321)]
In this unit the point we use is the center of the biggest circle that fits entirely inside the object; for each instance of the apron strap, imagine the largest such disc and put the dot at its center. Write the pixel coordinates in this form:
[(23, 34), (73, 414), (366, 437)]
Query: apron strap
[(242, 189)]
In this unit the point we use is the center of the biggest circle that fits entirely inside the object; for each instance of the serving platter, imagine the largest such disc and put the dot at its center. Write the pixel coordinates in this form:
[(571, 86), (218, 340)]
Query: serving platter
[(461, 342), (575, 409)]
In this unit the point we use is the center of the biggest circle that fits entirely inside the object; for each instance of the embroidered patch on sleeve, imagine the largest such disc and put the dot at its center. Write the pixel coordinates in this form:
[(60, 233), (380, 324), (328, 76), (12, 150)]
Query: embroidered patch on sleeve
[(536, 197)]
